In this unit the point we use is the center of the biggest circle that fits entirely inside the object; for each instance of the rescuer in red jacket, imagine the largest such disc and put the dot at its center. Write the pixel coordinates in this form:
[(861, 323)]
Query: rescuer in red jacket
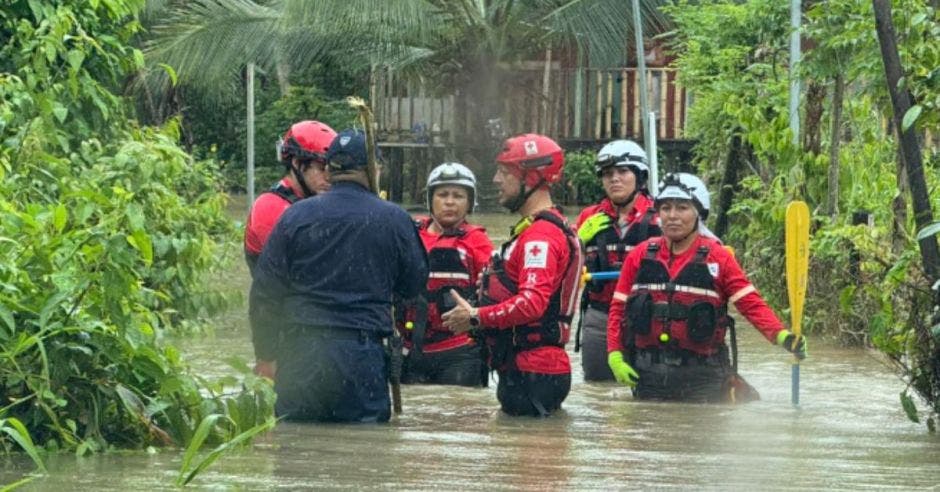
[(669, 315), (302, 152), (457, 252), (609, 230), (530, 290)]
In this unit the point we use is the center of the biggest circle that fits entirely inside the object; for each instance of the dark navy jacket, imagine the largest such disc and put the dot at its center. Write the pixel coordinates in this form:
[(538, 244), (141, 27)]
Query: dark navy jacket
[(334, 261)]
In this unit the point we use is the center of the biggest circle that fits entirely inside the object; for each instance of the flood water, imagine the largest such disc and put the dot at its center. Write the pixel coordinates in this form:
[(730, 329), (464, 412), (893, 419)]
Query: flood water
[(849, 433)]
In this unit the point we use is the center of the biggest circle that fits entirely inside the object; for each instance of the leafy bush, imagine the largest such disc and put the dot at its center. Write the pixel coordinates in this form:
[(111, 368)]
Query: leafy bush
[(107, 235), (302, 102), (582, 182), (866, 284)]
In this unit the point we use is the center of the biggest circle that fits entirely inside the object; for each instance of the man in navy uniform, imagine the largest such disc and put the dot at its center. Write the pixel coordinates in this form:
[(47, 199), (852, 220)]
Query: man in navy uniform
[(324, 287)]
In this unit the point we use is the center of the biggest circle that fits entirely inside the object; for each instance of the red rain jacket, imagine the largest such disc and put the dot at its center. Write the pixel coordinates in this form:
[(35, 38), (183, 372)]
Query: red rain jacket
[(730, 285), (537, 261)]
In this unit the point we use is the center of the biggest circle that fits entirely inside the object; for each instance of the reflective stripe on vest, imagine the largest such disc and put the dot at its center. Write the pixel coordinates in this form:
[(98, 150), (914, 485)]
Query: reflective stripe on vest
[(694, 321), (676, 288)]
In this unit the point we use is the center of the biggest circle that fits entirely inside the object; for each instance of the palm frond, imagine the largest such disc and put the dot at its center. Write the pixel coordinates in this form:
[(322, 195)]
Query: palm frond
[(604, 27), (206, 40)]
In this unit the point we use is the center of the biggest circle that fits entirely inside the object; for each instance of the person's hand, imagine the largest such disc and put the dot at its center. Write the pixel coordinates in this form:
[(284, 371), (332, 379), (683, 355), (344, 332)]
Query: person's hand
[(458, 319), (266, 368), (594, 224), (796, 345), (623, 373)]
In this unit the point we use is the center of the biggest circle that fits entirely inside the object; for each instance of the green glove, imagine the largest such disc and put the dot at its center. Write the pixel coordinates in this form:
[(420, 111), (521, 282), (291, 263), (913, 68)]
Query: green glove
[(623, 373), (793, 344), (594, 224)]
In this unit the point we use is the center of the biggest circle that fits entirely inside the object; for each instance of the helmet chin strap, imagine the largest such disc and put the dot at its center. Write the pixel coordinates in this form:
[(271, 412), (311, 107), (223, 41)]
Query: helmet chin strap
[(519, 200), (299, 176), (629, 199)]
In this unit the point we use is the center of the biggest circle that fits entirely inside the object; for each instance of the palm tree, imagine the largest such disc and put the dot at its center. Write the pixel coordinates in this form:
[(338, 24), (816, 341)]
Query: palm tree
[(467, 47)]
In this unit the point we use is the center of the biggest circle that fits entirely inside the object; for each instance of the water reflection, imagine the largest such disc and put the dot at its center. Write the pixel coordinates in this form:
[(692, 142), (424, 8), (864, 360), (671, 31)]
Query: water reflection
[(850, 433)]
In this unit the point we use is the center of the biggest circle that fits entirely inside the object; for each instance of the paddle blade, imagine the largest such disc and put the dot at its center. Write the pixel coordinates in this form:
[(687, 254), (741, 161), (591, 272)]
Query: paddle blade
[(797, 256)]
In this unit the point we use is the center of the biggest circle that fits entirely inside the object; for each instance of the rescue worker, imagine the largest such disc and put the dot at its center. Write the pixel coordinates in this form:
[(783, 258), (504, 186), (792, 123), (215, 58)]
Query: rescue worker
[(530, 290), (302, 152), (609, 230), (457, 252), (324, 283), (669, 314)]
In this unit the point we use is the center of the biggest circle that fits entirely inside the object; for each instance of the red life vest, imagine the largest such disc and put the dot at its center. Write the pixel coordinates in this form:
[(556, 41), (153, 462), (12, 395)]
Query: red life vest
[(554, 327), (687, 308), (450, 265), (606, 250)]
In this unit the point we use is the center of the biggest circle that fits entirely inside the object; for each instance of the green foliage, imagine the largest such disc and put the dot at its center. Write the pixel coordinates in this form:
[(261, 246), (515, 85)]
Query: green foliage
[(866, 285), (301, 103), (217, 128), (733, 56), (581, 179), (930, 230), (15, 429), (108, 233), (187, 473)]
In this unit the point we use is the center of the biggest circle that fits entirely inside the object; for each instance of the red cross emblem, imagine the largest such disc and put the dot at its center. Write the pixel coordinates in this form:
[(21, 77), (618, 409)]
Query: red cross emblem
[(535, 250)]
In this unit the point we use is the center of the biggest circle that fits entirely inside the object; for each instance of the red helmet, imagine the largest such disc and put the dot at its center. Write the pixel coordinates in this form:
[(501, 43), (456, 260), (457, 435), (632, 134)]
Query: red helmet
[(536, 159), (307, 140)]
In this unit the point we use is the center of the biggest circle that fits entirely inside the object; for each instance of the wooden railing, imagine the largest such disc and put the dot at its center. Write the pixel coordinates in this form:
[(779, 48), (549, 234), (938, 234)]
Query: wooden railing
[(584, 104)]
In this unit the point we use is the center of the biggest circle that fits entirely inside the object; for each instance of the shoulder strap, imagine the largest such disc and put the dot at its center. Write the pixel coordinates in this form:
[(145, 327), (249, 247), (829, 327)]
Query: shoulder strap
[(555, 220), (284, 192), (652, 248), (702, 253)]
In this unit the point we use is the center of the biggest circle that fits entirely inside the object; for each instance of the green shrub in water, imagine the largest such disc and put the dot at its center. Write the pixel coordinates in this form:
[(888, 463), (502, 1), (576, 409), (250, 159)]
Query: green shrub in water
[(107, 235)]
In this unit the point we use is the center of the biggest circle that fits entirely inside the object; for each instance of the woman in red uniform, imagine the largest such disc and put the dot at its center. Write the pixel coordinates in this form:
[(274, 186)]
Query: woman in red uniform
[(669, 314), (457, 252), (609, 230)]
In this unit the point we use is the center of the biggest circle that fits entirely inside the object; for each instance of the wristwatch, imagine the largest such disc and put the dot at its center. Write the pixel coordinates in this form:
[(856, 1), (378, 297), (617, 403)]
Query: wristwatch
[(475, 318)]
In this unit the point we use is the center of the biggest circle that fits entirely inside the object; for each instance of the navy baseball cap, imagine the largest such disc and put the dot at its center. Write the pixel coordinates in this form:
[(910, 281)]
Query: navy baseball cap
[(348, 151)]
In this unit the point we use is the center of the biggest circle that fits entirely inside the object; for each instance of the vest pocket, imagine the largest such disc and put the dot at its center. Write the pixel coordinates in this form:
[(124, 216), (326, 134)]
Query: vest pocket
[(701, 322), (640, 313)]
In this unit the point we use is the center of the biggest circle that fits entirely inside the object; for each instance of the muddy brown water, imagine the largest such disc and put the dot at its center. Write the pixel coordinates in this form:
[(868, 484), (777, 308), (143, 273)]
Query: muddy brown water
[(848, 433)]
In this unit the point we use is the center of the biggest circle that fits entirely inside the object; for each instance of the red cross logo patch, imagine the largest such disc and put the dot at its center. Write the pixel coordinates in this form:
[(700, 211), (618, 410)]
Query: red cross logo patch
[(536, 254)]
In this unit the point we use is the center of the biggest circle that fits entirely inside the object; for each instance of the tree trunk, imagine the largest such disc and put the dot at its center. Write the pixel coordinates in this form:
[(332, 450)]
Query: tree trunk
[(907, 141), (812, 133), (832, 204), (729, 180), (899, 208)]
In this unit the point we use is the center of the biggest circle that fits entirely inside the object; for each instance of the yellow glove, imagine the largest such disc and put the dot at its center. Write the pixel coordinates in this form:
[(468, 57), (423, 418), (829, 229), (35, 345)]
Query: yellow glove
[(594, 224), (623, 373), (793, 344)]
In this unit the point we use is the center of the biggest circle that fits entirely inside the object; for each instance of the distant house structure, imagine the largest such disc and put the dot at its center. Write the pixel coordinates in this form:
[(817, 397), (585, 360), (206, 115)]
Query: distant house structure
[(580, 106)]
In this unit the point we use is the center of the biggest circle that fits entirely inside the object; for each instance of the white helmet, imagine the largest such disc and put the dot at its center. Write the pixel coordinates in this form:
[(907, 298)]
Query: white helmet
[(452, 173), (685, 186), (624, 153)]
